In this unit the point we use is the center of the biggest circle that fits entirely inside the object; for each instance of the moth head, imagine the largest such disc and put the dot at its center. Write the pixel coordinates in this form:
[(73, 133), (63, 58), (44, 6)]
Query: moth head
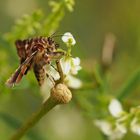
[(52, 43), (52, 51)]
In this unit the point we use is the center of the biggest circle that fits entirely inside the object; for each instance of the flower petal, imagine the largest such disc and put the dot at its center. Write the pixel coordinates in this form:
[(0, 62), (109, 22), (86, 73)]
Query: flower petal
[(115, 108), (73, 82), (104, 126), (68, 38), (76, 61), (135, 126), (66, 65), (75, 65)]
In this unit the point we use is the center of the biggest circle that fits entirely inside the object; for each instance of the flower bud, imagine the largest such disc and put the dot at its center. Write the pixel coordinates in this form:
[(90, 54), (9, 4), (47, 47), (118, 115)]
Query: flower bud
[(61, 94), (68, 39)]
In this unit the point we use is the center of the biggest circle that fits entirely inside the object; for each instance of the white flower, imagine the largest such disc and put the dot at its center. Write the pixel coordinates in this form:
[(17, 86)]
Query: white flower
[(104, 126), (75, 65), (68, 38), (73, 82), (121, 125), (70, 65), (66, 64), (115, 108), (135, 126), (109, 130), (116, 134)]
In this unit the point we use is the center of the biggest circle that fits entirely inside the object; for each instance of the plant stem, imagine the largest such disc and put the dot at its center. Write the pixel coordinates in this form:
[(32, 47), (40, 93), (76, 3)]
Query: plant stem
[(45, 108), (132, 82), (60, 94), (60, 71)]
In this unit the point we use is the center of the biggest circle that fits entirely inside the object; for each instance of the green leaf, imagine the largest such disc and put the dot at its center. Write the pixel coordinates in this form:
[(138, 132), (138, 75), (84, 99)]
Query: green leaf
[(130, 84)]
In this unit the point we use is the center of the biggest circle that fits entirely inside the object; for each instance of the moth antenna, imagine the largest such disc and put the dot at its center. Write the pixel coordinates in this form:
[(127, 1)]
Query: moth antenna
[(57, 35), (51, 36), (60, 35)]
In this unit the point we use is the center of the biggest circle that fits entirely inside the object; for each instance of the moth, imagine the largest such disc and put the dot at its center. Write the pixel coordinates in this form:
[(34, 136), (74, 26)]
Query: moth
[(34, 53)]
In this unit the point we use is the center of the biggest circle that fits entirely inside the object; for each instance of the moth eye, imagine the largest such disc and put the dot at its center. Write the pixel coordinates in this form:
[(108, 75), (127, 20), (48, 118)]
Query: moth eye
[(50, 41), (51, 48)]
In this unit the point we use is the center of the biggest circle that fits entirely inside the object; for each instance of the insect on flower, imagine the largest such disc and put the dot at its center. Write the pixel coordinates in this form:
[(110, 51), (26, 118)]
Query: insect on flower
[(34, 53)]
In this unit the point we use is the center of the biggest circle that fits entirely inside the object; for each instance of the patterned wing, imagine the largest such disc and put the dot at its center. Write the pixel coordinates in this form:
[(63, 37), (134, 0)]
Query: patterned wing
[(21, 49), (21, 70)]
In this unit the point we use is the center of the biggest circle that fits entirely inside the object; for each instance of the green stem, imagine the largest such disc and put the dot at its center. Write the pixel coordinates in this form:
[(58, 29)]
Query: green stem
[(132, 82), (51, 23), (99, 78), (60, 71), (45, 108)]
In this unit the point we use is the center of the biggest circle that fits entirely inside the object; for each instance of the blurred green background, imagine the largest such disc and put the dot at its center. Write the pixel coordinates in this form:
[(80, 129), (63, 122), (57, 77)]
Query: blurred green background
[(90, 22)]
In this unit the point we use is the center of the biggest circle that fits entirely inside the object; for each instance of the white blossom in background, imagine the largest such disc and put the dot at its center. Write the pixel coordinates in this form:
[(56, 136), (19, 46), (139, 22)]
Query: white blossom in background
[(104, 126), (116, 134), (114, 129), (115, 108), (135, 126), (108, 129), (68, 39), (122, 121), (121, 124)]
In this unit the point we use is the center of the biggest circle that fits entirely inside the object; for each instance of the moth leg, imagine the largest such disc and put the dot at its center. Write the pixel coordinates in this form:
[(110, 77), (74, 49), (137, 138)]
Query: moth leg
[(54, 67), (51, 78)]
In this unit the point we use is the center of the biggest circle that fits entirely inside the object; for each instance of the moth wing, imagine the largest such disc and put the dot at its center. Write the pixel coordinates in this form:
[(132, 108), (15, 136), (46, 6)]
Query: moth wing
[(20, 71), (21, 49)]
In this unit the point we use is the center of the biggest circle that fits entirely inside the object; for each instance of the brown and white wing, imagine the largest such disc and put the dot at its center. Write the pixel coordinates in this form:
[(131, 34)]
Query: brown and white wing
[(20, 71), (21, 49)]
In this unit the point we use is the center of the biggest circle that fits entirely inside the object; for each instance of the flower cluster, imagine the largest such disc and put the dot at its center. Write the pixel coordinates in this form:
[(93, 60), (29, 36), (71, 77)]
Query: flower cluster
[(121, 121), (70, 65)]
